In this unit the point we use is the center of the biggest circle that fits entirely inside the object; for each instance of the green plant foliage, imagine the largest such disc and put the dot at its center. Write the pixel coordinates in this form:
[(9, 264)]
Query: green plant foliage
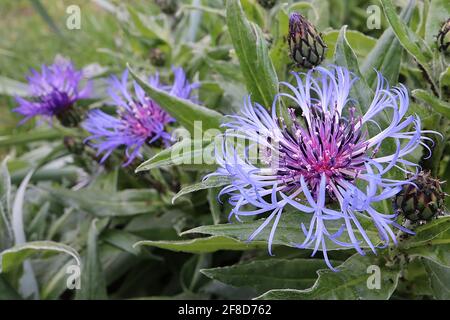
[(157, 227)]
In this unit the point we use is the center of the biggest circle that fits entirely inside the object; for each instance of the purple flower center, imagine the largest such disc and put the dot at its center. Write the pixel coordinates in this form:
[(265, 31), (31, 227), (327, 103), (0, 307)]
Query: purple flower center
[(53, 91), (139, 120), (330, 144), (56, 101), (144, 120)]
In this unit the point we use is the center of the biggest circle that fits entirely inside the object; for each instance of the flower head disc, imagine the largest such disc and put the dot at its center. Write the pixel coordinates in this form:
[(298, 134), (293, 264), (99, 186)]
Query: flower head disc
[(54, 91), (139, 120), (325, 161)]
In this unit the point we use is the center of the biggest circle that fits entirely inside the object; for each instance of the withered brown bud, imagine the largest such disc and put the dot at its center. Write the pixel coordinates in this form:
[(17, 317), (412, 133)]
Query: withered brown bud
[(306, 46)]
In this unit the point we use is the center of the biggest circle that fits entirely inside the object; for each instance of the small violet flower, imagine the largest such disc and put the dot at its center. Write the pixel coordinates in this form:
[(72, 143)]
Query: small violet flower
[(325, 161), (138, 120), (53, 92)]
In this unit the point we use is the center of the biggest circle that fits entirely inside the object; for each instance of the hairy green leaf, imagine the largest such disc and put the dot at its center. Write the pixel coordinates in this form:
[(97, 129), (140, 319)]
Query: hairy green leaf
[(191, 154), (357, 279), (190, 115), (203, 245), (15, 256), (439, 279), (102, 204), (93, 284), (432, 241), (385, 56), (345, 57), (409, 40), (269, 274), (251, 49), (288, 232), (211, 182), (438, 105)]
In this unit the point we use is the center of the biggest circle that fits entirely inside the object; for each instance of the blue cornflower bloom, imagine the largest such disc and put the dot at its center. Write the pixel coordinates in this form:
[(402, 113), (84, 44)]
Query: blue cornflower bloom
[(324, 162), (138, 121), (53, 91)]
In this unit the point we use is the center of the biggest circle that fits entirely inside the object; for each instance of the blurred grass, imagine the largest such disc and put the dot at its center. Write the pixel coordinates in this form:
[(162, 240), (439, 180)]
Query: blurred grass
[(27, 41)]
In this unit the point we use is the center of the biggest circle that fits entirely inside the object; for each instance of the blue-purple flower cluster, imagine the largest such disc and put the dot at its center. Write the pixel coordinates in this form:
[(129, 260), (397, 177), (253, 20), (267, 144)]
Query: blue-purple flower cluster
[(138, 120), (53, 91), (322, 159), (323, 162)]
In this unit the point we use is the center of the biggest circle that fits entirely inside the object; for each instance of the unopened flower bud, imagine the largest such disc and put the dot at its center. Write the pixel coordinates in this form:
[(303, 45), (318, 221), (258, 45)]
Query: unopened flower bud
[(306, 46), (167, 6), (423, 201)]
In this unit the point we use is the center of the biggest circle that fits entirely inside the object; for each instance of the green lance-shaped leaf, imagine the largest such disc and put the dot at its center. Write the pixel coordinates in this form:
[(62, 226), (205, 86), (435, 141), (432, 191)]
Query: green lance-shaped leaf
[(437, 104), (122, 239), (148, 29), (253, 11), (269, 274), (360, 277), (6, 232), (28, 282), (93, 284), (409, 40), (203, 245), (432, 241), (15, 256), (361, 91), (27, 137), (211, 182), (288, 231), (102, 204), (385, 57), (439, 279), (187, 113), (190, 154), (345, 57), (251, 49), (362, 44)]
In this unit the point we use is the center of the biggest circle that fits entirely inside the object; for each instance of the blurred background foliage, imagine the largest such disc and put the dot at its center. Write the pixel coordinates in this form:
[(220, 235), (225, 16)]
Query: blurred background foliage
[(73, 208)]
